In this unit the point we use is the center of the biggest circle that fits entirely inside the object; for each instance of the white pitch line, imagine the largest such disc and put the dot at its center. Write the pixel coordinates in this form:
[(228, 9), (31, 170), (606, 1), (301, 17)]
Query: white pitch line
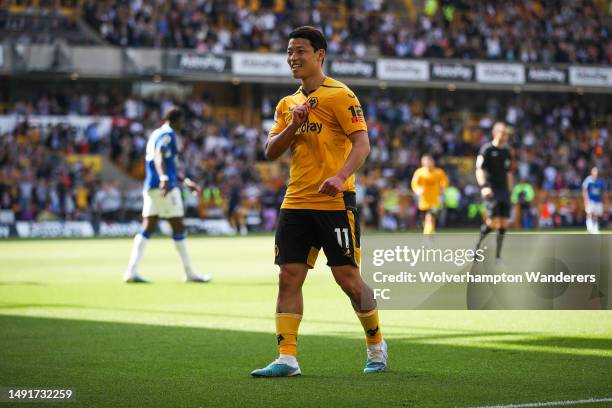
[(549, 404)]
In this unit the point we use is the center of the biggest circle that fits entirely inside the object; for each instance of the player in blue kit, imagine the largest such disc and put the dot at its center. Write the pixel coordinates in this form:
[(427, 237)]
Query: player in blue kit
[(593, 188), (162, 196)]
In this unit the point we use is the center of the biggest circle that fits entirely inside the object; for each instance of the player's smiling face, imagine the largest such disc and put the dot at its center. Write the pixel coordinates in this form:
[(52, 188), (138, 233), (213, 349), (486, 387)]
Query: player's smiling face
[(303, 60)]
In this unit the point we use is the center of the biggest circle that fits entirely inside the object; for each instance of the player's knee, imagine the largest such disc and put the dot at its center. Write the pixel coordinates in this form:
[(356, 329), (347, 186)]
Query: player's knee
[(288, 278), (149, 225), (177, 225), (350, 286)]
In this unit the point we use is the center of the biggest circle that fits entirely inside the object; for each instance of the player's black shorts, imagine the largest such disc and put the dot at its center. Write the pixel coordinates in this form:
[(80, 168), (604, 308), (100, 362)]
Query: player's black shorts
[(498, 205), (301, 234), (432, 211)]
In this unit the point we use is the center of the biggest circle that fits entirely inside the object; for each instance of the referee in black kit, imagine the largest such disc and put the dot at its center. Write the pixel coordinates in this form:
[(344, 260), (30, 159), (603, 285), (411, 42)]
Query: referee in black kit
[(494, 177)]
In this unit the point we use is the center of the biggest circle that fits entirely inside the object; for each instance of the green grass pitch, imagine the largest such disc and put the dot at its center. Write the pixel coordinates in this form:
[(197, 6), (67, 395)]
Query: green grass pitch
[(67, 320)]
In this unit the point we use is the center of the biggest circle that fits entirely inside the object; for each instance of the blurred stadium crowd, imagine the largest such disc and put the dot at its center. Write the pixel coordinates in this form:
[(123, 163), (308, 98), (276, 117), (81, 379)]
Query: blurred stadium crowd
[(554, 142), (556, 137), (517, 30), (526, 31)]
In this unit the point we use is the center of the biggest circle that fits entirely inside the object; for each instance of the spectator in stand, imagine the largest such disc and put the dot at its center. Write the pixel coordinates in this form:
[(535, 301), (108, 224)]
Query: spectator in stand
[(542, 31), (522, 197), (556, 142)]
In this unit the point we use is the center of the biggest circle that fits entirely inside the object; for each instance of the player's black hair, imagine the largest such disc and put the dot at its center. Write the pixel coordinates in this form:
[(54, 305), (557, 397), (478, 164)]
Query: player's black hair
[(173, 114), (312, 34)]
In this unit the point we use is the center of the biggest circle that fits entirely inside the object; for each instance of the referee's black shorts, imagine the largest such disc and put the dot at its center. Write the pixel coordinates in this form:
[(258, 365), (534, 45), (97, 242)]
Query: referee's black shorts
[(498, 205), (301, 234)]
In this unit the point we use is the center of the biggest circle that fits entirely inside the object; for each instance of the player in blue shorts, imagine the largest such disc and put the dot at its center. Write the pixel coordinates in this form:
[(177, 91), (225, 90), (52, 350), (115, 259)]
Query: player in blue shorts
[(593, 188), (162, 196)]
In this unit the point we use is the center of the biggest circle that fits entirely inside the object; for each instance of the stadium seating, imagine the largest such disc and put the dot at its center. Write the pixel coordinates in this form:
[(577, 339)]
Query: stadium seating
[(540, 31), (556, 137), (555, 142)]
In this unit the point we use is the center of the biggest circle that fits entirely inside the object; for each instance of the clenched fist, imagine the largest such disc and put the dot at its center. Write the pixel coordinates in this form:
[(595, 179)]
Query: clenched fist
[(331, 186), (300, 114)]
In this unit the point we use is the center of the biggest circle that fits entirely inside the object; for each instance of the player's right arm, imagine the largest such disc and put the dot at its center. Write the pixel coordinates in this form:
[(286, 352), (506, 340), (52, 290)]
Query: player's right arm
[(415, 183), (161, 149), (481, 176), (279, 142), (585, 192)]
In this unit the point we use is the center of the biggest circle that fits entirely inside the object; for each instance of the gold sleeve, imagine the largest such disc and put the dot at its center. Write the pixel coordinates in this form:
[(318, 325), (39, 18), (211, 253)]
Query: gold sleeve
[(279, 118), (349, 112)]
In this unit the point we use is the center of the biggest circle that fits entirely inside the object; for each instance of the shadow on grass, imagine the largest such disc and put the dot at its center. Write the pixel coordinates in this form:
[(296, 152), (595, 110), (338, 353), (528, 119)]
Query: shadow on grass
[(454, 332), (578, 343), (135, 365), (23, 283), (565, 342)]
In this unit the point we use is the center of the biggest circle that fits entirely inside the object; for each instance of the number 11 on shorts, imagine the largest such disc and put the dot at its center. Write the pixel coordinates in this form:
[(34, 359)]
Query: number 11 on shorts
[(339, 232)]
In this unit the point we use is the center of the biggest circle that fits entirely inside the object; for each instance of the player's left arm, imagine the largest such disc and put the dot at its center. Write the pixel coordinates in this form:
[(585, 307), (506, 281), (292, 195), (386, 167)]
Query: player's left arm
[(509, 175), (349, 114), (188, 182), (510, 180), (192, 186), (356, 158), (443, 180), (183, 176), (415, 183), (161, 150)]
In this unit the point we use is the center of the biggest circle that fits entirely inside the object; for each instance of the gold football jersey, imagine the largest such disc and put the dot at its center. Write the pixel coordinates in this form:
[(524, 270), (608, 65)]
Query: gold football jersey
[(321, 145), (433, 183)]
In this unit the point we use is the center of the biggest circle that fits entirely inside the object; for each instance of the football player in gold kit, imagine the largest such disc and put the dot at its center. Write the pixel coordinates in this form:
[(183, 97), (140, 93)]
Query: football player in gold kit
[(322, 124), (428, 182)]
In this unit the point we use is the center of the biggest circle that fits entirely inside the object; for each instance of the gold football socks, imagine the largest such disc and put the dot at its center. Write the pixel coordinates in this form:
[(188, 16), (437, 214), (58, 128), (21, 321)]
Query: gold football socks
[(430, 226), (369, 321), (287, 325)]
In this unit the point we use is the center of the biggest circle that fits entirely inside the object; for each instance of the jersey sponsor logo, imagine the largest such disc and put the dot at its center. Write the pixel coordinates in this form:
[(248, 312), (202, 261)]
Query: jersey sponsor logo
[(356, 113), (310, 127)]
